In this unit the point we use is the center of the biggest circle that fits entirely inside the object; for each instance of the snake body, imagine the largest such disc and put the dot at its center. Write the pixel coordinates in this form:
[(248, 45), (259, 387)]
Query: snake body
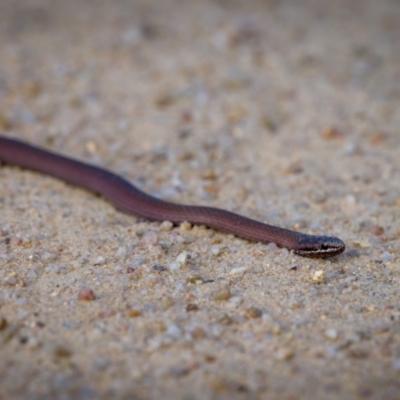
[(129, 199)]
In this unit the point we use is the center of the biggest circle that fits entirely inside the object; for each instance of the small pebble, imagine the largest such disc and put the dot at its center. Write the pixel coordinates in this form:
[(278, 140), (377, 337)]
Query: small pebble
[(294, 302), (9, 332), (225, 319), (166, 226), (209, 174), (100, 260), (159, 268), (119, 269), (5, 122), (215, 251), (134, 313), (60, 351), (284, 354), (78, 263), (387, 257), (295, 167), (220, 384), (3, 323), (234, 302), (175, 266), (137, 261), (331, 334), (102, 363), (183, 258), (181, 287), (91, 147), (174, 331), (192, 307), (332, 132), (351, 199), (318, 277), (167, 302), (5, 257), (46, 257), (276, 329), (378, 230), (253, 312), (31, 274), (135, 275), (86, 294), (198, 333), (319, 197), (15, 241), (33, 343), (195, 279), (15, 281), (396, 364), (149, 238), (57, 269), (185, 226), (358, 352), (221, 294), (179, 371), (363, 243), (121, 253), (272, 247), (237, 271), (165, 100)]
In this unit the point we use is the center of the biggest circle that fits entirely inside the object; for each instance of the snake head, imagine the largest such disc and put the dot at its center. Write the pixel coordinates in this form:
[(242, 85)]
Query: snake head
[(319, 246)]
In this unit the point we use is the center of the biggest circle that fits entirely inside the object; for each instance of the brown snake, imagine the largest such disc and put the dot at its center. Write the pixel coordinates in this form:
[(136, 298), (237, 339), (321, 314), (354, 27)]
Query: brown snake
[(131, 200)]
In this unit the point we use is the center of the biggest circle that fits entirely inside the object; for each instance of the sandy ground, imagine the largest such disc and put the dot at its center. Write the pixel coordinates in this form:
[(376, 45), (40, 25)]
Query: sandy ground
[(284, 111)]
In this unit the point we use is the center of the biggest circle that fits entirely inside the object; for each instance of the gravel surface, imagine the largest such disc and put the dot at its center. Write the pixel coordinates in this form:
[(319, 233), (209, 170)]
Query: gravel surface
[(284, 111)]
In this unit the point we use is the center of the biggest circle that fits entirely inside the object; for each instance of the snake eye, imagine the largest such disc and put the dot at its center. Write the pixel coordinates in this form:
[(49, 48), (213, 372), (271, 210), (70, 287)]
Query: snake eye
[(324, 247)]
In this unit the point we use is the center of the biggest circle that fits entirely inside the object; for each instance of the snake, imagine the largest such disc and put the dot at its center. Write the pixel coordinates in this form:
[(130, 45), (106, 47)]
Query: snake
[(131, 200)]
